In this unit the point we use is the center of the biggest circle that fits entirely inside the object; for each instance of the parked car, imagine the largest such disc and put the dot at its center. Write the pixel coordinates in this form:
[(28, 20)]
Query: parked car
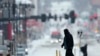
[(21, 50), (3, 50)]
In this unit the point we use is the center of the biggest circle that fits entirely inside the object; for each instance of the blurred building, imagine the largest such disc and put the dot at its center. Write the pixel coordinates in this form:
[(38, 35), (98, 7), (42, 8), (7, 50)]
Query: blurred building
[(25, 8), (96, 10), (95, 4), (44, 6), (81, 5), (35, 10)]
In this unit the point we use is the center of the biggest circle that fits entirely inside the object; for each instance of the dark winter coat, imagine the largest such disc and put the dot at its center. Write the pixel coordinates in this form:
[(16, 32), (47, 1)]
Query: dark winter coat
[(68, 40)]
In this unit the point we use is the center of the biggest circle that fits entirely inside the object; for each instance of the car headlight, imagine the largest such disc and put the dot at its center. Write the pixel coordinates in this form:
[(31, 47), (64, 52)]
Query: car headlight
[(51, 41), (60, 40), (56, 41)]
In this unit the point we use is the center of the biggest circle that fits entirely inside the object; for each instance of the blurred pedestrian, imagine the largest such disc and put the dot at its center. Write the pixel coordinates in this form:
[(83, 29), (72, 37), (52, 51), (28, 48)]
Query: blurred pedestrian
[(9, 52), (83, 43), (68, 43)]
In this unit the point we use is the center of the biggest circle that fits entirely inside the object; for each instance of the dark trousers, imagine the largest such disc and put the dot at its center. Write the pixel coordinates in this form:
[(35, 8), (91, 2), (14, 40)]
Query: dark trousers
[(69, 52), (84, 50)]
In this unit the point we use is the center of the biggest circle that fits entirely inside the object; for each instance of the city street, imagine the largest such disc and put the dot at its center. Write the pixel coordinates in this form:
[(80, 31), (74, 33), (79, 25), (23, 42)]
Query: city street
[(50, 50), (49, 27), (42, 48)]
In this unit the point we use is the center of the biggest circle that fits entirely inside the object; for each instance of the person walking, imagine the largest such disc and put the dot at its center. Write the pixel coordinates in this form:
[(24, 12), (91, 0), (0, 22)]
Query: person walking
[(68, 43), (83, 43)]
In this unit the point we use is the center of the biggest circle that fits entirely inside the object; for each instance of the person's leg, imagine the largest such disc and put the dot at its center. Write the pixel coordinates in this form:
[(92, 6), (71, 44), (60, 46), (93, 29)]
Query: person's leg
[(84, 50), (66, 53), (69, 52), (72, 51)]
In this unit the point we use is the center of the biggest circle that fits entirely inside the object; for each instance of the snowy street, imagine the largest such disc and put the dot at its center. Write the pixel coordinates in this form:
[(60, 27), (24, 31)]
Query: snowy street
[(42, 47), (49, 27), (50, 50)]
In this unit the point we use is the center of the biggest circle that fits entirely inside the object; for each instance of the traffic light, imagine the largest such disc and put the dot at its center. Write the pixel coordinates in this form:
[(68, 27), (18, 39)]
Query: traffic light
[(43, 17), (55, 17), (66, 16), (49, 16), (72, 16)]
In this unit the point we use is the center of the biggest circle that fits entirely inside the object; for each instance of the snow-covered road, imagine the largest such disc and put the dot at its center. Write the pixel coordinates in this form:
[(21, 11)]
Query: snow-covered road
[(42, 48)]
